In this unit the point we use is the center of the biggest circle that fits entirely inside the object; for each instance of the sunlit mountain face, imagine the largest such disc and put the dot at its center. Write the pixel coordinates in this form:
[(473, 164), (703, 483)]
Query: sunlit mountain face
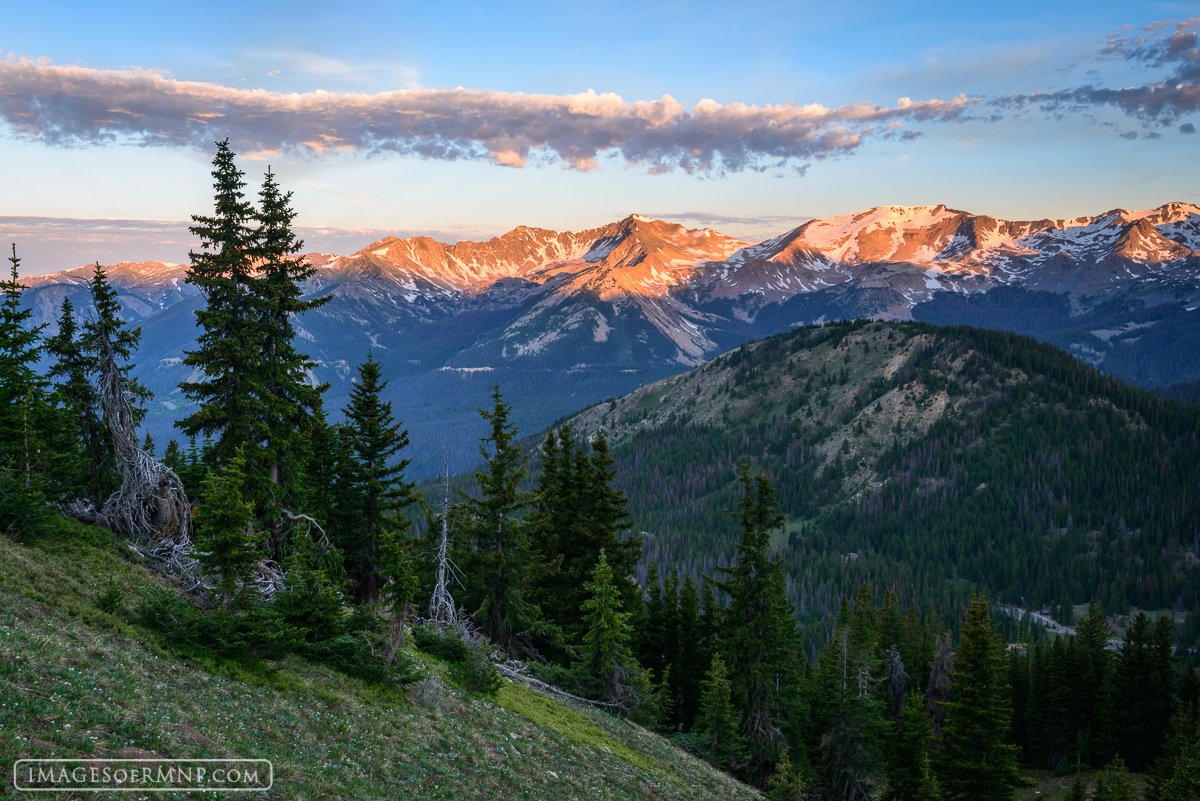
[(563, 319)]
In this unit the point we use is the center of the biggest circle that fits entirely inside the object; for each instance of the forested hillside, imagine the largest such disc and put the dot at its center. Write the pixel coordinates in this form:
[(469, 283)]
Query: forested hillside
[(937, 461)]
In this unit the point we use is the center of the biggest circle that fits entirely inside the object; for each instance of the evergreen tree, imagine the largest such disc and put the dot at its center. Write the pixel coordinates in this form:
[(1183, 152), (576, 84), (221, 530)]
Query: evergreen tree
[(1094, 686), (692, 656), (1184, 782), (22, 391), (372, 489), (496, 566), (1119, 787), (975, 759), (758, 632), (75, 368), (785, 783), (289, 401), (574, 514), (227, 360), (37, 439), (173, 458), (851, 711), (606, 654), (909, 776), (121, 339), (1143, 688), (717, 724), (227, 543)]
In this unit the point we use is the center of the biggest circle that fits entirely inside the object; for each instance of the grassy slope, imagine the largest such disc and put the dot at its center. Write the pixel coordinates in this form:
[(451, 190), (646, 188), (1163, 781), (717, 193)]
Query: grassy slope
[(77, 681)]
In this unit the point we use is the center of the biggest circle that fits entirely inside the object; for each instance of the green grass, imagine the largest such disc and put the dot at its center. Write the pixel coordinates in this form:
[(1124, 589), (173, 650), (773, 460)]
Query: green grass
[(78, 681)]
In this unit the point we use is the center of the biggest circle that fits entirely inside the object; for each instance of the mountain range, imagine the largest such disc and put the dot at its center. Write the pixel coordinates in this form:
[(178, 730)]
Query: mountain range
[(563, 319)]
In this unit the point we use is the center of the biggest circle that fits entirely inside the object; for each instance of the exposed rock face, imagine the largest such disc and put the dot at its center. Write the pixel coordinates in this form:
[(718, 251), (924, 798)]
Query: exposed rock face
[(640, 298)]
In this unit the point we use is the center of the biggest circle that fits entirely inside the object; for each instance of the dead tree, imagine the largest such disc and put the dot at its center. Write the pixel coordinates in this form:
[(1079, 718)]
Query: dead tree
[(441, 603), (151, 508)]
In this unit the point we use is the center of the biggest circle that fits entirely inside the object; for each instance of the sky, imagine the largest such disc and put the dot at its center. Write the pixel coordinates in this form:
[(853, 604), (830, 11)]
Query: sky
[(464, 120)]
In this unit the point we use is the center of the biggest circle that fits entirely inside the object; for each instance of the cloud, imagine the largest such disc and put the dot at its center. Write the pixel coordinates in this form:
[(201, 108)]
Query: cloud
[(708, 219), (1162, 102), (1180, 50), (71, 106)]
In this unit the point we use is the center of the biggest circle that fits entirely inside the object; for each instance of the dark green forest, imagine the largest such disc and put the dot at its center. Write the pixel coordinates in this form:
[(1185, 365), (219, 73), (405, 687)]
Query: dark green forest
[(809, 561)]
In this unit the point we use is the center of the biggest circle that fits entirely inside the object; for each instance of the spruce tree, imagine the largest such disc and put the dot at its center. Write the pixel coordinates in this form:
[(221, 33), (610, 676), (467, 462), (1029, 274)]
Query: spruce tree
[(497, 556), (227, 361), (851, 709), (227, 543), (758, 633), (372, 487), (1143, 690), (909, 775), (289, 400), (692, 656), (38, 444), (974, 759), (606, 654), (22, 391), (74, 369), (574, 513), (717, 724)]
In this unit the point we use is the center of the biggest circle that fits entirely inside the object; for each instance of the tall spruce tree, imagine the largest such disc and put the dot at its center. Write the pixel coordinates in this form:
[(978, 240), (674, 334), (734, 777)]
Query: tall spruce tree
[(758, 634), (227, 359), (372, 488), (22, 390), (1143, 689), (289, 400), (575, 512), (497, 556), (38, 447), (74, 369), (975, 759)]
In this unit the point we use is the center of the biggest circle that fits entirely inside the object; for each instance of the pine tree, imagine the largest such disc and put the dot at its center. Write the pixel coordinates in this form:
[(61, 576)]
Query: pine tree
[(227, 543), (38, 445), (758, 631), (574, 513), (1184, 782), (289, 401), (692, 656), (74, 369), (606, 654), (785, 783), (1094, 686), (909, 775), (229, 385), (173, 458), (373, 491), (1143, 685), (852, 711), (975, 759), (21, 389), (496, 565), (717, 723)]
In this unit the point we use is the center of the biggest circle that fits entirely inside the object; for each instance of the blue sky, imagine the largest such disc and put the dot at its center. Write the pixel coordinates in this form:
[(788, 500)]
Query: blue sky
[(463, 120)]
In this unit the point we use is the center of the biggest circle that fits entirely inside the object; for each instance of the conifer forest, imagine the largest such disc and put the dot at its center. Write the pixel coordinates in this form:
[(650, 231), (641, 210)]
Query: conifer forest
[(858, 560)]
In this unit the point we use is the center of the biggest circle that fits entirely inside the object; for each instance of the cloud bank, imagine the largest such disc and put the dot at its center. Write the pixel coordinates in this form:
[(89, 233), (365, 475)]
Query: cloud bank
[(1169, 45), (71, 106)]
